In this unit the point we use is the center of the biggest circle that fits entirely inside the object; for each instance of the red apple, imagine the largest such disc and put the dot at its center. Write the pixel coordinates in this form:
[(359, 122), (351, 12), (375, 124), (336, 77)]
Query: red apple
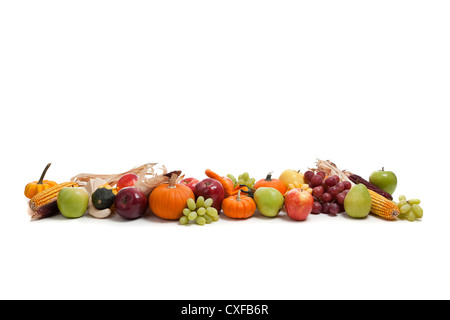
[(211, 188), (131, 203), (298, 204), (127, 180), (190, 182)]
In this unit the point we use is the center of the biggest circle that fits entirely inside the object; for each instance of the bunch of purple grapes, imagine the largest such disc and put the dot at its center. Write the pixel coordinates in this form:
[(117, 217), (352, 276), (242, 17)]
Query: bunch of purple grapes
[(328, 192)]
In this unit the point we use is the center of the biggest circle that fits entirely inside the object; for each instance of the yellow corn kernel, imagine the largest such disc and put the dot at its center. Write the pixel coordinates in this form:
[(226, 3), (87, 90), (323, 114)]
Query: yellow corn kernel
[(49, 195), (383, 207)]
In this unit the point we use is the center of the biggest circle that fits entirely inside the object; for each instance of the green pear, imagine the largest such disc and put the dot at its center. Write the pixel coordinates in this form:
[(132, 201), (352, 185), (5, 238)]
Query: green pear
[(358, 201), (269, 201)]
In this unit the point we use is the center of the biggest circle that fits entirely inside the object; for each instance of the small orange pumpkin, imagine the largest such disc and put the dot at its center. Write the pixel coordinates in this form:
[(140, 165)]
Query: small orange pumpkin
[(168, 200), (238, 207), (271, 183), (35, 187)]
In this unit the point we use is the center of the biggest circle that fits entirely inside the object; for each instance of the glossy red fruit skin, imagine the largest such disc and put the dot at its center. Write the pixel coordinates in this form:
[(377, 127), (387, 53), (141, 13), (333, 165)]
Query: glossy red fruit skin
[(316, 181), (131, 203), (327, 197), (211, 188), (298, 204), (334, 208), (190, 182), (322, 174), (127, 180), (347, 185), (340, 198), (340, 186), (308, 175), (331, 181), (318, 191), (317, 208)]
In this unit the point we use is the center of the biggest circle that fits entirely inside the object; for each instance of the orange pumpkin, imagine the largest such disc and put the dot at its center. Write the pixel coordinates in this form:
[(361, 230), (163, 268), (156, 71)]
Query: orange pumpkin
[(168, 200), (238, 207), (271, 183), (35, 187)]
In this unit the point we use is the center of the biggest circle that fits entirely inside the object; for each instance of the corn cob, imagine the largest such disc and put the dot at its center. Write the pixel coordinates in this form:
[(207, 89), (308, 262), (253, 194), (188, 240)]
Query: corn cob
[(357, 179), (49, 195), (383, 207), (45, 211)]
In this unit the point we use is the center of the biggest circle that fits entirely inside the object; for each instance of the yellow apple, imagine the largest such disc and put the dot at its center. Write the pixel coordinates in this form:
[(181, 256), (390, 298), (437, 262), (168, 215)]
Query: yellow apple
[(290, 176)]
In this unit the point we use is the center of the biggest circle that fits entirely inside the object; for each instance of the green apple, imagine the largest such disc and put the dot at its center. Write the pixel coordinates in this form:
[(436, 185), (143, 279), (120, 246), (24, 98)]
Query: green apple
[(358, 201), (385, 180), (73, 201), (269, 201)]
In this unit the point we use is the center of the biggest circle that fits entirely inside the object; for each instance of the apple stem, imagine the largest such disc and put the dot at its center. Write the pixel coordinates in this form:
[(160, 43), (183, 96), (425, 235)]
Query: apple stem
[(269, 176), (41, 179), (173, 180)]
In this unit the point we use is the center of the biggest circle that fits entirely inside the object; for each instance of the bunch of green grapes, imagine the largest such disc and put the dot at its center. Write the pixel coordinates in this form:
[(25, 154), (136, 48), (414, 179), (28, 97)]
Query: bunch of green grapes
[(200, 212), (243, 179), (409, 209)]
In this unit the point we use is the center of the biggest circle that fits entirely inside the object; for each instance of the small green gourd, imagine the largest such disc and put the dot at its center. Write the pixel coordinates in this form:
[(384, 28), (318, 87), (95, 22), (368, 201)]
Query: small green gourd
[(103, 197)]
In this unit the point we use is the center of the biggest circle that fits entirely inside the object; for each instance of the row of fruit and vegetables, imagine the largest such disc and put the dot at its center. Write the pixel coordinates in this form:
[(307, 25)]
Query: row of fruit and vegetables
[(324, 189)]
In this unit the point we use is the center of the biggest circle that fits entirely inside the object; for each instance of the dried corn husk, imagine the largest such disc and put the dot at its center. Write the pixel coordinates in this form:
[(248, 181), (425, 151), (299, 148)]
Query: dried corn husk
[(148, 178), (331, 169)]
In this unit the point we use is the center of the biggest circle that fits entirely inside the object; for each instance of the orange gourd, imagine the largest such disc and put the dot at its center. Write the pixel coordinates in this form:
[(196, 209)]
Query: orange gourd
[(227, 184), (168, 200), (35, 187), (238, 207), (271, 183)]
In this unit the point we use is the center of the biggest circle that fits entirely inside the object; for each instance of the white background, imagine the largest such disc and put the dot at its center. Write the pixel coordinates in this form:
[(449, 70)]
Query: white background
[(103, 86)]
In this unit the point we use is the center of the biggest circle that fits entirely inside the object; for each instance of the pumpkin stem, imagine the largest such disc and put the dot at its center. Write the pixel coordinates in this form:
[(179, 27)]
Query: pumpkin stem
[(269, 176), (41, 179), (173, 180), (250, 192), (238, 198), (168, 175)]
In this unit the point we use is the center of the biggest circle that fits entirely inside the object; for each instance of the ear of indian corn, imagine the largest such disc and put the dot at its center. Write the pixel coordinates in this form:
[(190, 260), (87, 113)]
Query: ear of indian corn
[(49, 195), (45, 211), (357, 179), (383, 207)]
